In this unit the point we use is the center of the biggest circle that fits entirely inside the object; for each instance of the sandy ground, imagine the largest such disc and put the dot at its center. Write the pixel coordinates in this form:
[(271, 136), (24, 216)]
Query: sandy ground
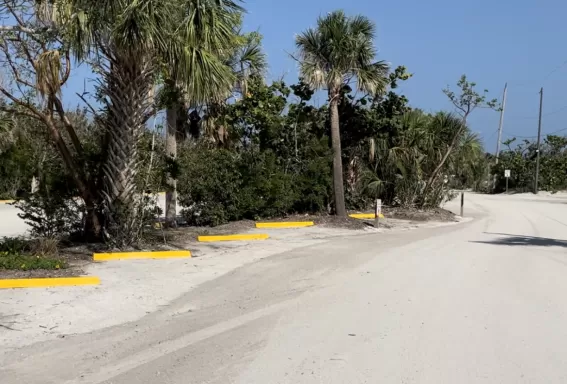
[(479, 302), (10, 223), (132, 289)]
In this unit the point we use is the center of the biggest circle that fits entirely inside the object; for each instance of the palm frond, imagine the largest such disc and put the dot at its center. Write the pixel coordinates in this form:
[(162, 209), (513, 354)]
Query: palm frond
[(248, 60), (372, 78), (48, 73)]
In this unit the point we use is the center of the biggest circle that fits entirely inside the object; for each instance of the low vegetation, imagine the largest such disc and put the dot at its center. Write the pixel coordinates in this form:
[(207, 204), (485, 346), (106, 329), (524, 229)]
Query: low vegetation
[(26, 255)]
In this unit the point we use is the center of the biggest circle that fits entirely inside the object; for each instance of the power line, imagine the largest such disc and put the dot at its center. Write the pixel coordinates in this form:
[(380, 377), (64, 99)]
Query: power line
[(533, 137), (555, 70), (493, 133), (545, 114), (545, 78)]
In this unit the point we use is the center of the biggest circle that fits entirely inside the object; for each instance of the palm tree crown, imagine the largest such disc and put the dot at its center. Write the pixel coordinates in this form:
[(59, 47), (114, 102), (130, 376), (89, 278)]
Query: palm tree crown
[(338, 50)]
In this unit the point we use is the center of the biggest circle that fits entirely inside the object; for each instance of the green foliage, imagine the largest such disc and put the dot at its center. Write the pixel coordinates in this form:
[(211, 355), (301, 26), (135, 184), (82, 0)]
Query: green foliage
[(17, 253), (55, 210), (14, 245), (218, 186), (338, 49), (277, 160), (521, 161), (21, 262), (51, 215), (402, 157), (261, 174), (208, 186), (468, 99)]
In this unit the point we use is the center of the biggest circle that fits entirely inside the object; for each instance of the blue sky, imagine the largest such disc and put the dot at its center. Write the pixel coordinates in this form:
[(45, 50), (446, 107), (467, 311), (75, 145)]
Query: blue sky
[(492, 42)]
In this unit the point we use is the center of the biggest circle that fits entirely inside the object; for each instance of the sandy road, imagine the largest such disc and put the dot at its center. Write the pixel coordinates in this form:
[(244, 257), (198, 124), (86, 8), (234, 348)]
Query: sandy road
[(10, 223), (481, 302)]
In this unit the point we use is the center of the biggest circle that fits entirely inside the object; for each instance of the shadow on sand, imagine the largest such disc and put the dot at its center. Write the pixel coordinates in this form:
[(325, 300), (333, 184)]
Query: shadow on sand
[(508, 239)]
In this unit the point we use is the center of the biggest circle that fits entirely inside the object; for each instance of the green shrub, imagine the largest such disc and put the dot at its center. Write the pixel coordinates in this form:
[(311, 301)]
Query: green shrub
[(217, 186), (208, 186), (14, 245), (51, 215), (10, 261), (17, 253)]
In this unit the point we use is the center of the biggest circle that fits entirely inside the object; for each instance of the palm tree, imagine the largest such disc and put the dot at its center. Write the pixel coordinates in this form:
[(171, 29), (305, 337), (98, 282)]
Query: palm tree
[(133, 39), (468, 163), (247, 59), (214, 29), (244, 58), (339, 50), (452, 128)]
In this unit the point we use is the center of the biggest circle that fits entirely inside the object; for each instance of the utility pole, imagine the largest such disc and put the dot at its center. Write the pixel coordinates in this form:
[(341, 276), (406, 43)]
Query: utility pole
[(501, 123), (538, 141)]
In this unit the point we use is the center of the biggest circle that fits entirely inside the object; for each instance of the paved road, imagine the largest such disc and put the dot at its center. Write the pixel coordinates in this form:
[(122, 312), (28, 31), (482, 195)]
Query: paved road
[(481, 302)]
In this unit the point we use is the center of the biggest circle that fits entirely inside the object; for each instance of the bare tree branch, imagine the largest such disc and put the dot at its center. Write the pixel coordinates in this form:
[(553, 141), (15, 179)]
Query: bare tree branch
[(17, 28)]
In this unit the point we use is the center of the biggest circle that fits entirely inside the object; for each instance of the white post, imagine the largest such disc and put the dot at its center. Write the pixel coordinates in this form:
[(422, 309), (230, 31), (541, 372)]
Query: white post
[(377, 213)]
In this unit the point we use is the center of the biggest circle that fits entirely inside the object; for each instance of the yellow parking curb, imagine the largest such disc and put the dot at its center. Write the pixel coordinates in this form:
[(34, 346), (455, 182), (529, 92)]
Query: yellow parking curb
[(7, 201), (49, 282), (284, 224), (141, 255), (251, 236), (365, 216)]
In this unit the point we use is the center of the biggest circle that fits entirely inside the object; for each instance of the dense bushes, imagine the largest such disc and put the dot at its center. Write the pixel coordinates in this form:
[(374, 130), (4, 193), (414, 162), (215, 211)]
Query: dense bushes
[(218, 185), (271, 164), (521, 161)]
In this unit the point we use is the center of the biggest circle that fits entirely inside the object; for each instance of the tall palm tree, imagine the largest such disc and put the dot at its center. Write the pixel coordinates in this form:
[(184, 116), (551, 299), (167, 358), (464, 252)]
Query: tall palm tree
[(214, 28), (134, 38), (243, 56), (335, 53)]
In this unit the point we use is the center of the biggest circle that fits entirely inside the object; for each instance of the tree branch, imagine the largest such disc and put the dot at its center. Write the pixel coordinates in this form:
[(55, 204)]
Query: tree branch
[(20, 112), (22, 103), (16, 72), (17, 28), (67, 124)]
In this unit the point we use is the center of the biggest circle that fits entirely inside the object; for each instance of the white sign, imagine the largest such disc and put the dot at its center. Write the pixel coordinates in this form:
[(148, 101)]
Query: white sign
[(507, 173)]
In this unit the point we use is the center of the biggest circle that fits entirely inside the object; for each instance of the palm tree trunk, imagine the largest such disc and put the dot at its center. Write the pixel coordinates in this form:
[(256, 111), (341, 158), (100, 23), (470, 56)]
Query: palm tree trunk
[(338, 185), (171, 150), (127, 86)]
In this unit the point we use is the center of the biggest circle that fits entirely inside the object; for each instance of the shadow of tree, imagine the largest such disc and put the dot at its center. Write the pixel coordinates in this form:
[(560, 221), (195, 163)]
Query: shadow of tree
[(508, 239)]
